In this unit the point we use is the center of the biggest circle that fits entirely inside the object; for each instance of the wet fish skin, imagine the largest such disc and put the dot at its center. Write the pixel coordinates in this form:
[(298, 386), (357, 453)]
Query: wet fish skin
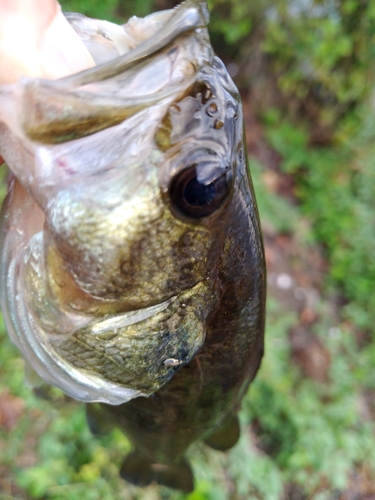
[(132, 286)]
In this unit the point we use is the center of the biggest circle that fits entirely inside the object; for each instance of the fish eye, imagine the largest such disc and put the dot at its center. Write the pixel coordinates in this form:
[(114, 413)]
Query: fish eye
[(197, 199)]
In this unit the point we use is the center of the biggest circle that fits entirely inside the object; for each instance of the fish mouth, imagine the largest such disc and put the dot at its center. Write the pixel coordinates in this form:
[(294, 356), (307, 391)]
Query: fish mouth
[(188, 16), (110, 359), (57, 111)]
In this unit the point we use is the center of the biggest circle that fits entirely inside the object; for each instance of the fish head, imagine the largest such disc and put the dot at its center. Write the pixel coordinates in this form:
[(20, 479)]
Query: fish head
[(146, 225), (131, 168)]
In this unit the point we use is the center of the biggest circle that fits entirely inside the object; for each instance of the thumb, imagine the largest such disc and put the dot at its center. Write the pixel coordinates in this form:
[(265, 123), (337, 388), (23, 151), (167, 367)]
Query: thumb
[(37, 41)]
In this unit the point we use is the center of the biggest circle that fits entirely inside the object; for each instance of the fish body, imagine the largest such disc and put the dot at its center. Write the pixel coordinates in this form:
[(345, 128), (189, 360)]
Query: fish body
[(132, 267)]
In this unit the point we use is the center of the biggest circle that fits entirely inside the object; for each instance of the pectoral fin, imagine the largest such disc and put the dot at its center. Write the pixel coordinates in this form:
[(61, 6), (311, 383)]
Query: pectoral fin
[(226, 436), (139, 471)]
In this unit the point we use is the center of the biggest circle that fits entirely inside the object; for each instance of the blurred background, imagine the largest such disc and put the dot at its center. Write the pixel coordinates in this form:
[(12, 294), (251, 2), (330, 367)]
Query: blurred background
[(305, 69)]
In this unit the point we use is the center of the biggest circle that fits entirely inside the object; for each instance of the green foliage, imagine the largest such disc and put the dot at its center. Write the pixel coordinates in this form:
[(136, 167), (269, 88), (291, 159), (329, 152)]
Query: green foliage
[(319, 53), (239, 13), (305, 426), (275, 210), (111, 10), (336, 188), (316, 50), (105, 9)]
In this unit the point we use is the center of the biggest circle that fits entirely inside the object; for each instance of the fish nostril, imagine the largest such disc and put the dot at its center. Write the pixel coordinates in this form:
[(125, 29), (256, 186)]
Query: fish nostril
[(212, 109)]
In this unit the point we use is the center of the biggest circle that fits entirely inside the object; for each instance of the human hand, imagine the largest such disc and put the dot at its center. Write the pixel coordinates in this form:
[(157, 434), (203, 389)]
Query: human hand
[(37, 41)]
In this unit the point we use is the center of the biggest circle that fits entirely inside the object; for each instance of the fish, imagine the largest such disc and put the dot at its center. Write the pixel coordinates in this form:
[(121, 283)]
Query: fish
[(132, 263)]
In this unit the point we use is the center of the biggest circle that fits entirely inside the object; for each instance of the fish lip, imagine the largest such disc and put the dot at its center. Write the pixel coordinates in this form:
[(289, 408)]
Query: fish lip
[(188, 16)]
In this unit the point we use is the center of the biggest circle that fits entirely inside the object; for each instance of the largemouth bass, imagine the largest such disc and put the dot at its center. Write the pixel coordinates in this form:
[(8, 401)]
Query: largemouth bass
[(132, 266)]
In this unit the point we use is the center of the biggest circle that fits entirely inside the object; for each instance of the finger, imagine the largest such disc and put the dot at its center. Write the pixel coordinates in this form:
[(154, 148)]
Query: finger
[(37, 41)]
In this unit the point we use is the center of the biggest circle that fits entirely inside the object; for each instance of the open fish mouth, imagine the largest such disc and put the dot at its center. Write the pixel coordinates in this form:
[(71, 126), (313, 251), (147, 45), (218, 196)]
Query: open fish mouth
[(92, 177)]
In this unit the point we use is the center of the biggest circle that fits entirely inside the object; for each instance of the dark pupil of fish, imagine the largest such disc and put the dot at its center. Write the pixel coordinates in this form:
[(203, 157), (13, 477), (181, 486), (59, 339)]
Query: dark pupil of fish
[(196, 199), (197, 194)]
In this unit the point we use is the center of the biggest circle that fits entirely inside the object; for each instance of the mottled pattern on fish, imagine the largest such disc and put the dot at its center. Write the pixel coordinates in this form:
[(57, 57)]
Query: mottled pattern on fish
[(132, 259)]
